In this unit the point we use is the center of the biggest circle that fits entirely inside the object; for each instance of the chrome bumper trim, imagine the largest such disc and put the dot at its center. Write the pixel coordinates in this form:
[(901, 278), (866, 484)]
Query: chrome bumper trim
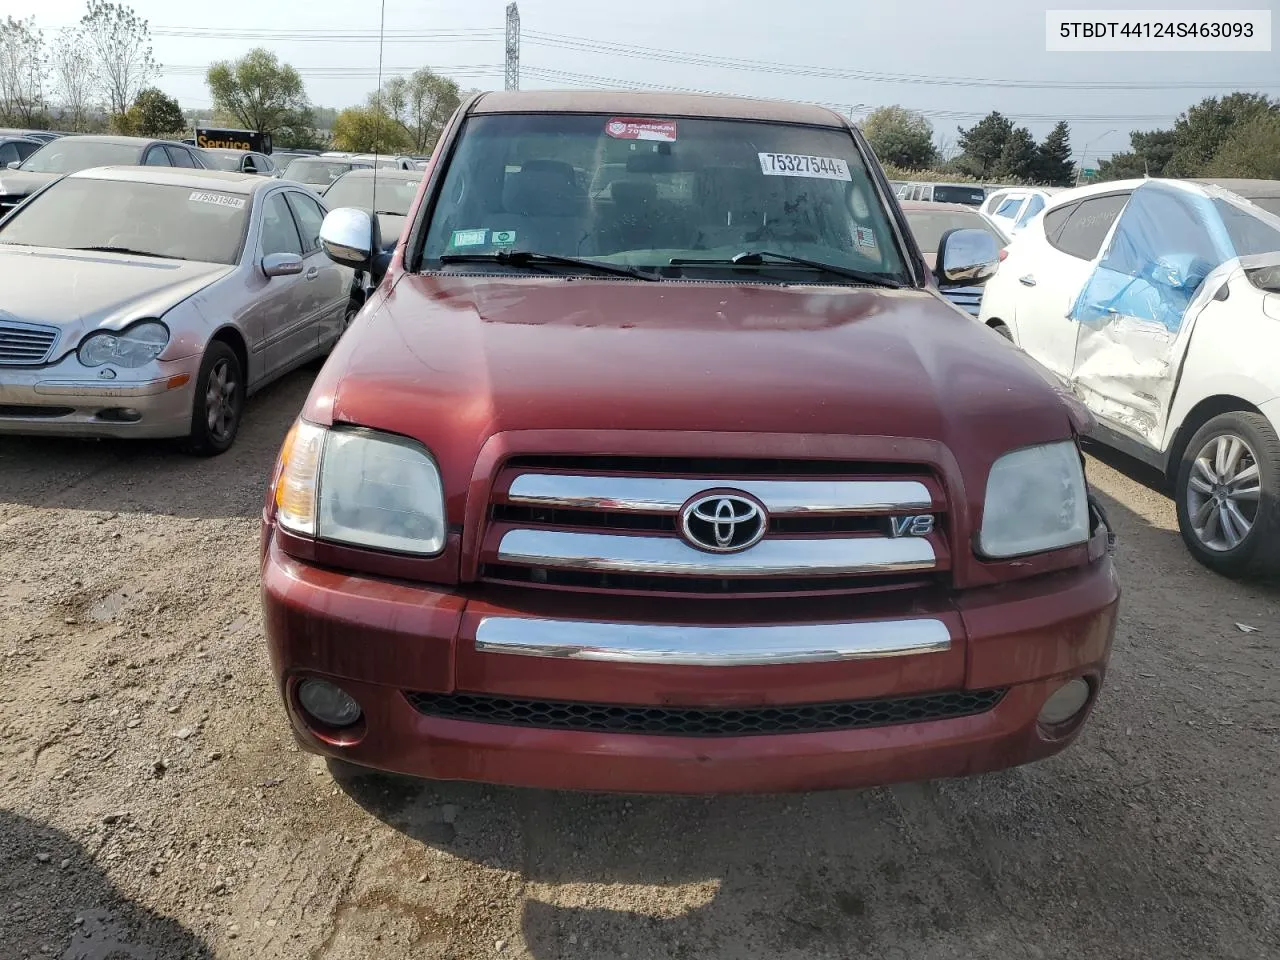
[(769, 558), (105, 389), (668, 495), (711, 646)]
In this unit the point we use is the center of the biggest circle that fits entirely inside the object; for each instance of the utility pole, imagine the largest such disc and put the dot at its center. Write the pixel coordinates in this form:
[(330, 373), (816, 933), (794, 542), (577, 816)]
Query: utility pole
[(513, 47)]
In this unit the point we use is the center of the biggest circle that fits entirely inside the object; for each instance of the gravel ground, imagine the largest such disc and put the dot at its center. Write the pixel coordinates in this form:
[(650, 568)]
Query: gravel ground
[(153, 805)]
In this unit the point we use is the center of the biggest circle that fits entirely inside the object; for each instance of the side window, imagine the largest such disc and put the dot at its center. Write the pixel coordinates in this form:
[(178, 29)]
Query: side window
[(309, 216), (1054, 221), (179, 157), (279, 233), (156, 157), (248, 164), (8, 153), (1009, 208), (1034, 207), (1087, 227)]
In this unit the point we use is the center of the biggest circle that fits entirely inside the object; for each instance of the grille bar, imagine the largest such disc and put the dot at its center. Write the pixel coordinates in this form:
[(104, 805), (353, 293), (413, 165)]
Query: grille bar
[(668, 494), (705, 722)]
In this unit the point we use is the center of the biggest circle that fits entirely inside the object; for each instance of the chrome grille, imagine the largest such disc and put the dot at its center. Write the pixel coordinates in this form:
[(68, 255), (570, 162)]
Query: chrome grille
[(25, 344), (607, 524)]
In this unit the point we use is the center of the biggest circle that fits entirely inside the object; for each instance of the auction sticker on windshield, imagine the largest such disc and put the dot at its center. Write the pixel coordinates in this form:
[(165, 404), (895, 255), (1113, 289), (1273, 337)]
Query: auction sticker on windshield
[(469, 238), (801, 165), (634, 128), (219, 199)]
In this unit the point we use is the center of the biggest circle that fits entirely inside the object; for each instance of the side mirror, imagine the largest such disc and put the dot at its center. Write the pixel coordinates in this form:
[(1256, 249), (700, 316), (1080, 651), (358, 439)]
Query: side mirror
[(348, 237), (14, 164), (966, 257), (281, 265)]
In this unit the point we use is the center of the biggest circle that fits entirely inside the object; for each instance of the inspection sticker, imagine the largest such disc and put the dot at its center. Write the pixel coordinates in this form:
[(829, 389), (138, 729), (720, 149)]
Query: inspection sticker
[(801, 165), (218, 199), (503, 238), (633, 128), (469, 238), (864, 237)]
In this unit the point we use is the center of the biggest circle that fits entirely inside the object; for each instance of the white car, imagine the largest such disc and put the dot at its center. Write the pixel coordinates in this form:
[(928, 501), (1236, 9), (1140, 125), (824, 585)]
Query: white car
[(1014, 207), (1158, 301)]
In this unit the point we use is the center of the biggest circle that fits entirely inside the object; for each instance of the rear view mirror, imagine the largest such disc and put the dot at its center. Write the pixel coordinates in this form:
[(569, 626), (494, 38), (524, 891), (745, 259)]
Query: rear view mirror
[(348, 237), (281, 265), (966, 257)]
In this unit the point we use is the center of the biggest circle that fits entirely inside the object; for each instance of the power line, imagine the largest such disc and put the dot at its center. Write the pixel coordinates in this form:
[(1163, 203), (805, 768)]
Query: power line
[(635, 51)]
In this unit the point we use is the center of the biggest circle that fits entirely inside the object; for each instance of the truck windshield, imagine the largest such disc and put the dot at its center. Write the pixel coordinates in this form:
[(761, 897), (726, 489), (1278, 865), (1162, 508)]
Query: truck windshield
[(645, 191)]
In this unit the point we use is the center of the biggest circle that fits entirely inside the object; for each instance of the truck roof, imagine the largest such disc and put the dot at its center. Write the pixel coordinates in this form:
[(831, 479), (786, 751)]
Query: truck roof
[(632, 102)]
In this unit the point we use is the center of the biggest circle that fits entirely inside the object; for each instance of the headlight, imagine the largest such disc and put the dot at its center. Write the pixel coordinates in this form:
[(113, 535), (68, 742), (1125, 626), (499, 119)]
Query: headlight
[(1036, 501), (360, 487), (138, 345)]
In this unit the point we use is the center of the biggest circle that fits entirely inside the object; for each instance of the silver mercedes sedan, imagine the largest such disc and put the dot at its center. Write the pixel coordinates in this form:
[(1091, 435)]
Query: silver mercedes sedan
[(151, 301)]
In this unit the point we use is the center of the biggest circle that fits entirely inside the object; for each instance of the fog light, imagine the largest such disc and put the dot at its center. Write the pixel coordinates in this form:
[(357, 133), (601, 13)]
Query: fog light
[(328, 703), (1066, 703)]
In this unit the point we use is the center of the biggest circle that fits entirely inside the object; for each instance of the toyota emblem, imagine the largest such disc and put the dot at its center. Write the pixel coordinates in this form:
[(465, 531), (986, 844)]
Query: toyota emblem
[(723, 522)]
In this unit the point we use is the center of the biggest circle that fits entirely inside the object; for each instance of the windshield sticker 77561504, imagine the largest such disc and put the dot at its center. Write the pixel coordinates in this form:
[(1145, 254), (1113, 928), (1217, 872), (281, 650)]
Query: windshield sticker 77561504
[(803, 165), (218, 199)]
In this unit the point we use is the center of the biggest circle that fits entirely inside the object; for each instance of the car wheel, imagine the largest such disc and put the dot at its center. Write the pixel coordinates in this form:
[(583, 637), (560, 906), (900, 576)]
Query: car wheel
[(1003, 330), (1228, 495), (352, 309), (218, 403)]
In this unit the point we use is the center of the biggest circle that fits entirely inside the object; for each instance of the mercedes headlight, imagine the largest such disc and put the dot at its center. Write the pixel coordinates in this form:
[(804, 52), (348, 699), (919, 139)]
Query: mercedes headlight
[(1036, 501), (135, 347), (360, 487)]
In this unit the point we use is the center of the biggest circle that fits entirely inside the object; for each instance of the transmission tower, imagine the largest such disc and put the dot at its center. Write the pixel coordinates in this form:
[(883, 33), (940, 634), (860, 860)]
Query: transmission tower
[(513, 47)]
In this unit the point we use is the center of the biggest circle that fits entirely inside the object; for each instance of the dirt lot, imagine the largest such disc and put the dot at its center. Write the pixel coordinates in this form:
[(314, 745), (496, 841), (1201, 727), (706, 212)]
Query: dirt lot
[(153, 805)]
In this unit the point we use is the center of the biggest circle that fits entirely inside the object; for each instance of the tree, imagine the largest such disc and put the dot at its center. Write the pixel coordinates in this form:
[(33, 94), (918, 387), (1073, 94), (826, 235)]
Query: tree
[(1150, 154), (1018, 156), (1053, 166), (118, 42), (1202, 130), (23, 68), (72, 78), (260, 92), (1251, 151), (421, 103), (153, 114), (982, 144), (900, 136), (369, 130)]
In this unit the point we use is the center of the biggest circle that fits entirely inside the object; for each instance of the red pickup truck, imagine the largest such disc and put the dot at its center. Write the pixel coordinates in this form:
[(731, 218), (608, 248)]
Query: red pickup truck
[(657, 462)]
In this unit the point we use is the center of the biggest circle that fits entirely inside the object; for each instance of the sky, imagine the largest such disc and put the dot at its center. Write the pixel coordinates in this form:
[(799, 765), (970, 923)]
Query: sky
[(918, 54)]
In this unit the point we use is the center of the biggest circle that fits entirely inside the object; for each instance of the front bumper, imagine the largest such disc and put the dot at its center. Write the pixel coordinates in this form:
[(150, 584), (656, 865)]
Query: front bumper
[(69, 399), (380, 640)]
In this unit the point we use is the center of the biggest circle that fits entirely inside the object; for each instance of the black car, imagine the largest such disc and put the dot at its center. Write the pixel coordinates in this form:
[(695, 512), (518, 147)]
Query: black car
[(73, 154), (17, 149)]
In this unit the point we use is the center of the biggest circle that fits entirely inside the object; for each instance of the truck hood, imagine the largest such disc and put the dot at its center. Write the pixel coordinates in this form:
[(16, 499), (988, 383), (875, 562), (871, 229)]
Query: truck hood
[(81, 291), (452, 361), (20, 183)]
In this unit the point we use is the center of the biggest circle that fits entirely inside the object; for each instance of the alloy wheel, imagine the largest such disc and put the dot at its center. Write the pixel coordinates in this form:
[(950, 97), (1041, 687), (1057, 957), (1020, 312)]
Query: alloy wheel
[(220, 401), (1223, 492)]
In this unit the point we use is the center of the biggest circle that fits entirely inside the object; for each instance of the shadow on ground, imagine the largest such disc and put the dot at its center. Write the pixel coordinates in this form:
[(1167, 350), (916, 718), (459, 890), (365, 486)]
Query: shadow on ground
[(57, 903)]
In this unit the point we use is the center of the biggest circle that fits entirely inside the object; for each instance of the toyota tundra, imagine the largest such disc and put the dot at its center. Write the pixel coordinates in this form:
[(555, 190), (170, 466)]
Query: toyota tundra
[(657, 461)]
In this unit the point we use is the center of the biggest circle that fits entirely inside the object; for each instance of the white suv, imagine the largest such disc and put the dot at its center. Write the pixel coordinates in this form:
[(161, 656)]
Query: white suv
[(1158, 301)]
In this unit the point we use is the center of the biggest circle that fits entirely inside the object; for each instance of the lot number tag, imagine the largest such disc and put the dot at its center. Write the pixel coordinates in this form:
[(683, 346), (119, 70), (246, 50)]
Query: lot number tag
[(802, 165), (218, 199)]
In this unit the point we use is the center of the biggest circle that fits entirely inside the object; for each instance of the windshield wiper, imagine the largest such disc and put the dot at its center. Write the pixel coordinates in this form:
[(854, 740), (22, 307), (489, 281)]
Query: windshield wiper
[(129, 250), (761, 258), (523, 258)]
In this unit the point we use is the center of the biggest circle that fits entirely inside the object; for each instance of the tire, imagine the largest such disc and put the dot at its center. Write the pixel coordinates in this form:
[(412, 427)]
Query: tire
[(1001, 329), (213, 431), (1232, 534)]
